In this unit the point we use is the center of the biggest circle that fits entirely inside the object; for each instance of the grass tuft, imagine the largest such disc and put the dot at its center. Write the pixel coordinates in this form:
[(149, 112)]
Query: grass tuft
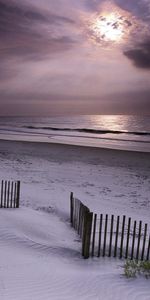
[(132, 268)]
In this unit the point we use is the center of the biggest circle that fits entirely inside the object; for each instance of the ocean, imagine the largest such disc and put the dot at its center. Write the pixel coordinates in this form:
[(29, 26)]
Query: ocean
[(106, 131)]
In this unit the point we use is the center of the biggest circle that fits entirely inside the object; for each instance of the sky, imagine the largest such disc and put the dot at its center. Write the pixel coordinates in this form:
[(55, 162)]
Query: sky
[(74, 57)]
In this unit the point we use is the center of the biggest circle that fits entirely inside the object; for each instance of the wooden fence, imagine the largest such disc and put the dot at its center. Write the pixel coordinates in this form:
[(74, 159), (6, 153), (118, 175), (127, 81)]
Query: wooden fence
[(10, 194), (104, 235)]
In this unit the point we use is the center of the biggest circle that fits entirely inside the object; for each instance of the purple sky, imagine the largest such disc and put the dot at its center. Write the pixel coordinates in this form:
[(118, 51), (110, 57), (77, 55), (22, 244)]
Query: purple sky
[(63, 56)]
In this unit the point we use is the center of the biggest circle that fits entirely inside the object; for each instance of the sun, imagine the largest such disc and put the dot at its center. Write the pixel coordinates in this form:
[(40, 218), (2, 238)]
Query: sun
[(108, 27), (111, 25)]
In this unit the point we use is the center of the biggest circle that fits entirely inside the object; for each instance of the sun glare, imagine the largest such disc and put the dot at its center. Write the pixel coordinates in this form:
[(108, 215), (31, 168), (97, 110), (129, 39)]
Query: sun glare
[(111, 25), (108, 28)]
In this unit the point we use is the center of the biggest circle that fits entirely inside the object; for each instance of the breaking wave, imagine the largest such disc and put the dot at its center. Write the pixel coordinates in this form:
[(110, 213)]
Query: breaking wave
[(88, 130)]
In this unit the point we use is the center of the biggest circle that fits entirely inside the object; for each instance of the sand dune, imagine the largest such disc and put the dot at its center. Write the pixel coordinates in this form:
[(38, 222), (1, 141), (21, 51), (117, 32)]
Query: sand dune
[(40, 260), (39, 251)]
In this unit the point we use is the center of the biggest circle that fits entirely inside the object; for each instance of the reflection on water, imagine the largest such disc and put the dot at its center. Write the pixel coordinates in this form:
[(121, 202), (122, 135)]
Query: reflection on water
[(120, 122), (112, 122)]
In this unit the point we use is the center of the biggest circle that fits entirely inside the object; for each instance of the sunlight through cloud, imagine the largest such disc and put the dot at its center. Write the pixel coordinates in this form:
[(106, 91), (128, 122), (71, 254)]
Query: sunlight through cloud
[(113, 25)]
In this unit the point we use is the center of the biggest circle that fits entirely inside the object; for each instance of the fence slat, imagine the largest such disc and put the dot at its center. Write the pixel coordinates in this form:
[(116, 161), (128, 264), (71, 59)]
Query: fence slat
[(139, 239), (5, 193), (122, 236), (144, 241), (78, 215), (100, 235), (117, 233), (81, 220), (133, 240), (75, 216), (148, 250), (94, 231), (11, 197), (111, 234), (15, 192), (105, 235), (84, 230), (71, 208), (8, 191), (128, 237), (2, 191)]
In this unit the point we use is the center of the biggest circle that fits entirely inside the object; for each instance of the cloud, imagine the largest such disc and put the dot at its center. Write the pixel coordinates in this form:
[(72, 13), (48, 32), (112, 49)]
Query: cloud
[(48, 62), (29, 33), (93, 4), (140, 55), (6, 72), (139, 8)]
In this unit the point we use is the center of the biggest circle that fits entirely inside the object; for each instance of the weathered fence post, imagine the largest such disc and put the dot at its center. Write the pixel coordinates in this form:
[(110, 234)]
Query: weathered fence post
[(88, 217)]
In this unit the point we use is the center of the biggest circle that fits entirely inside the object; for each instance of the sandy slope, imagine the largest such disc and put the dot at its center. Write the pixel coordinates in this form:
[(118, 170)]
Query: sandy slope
[(39, 252), (40, 260)]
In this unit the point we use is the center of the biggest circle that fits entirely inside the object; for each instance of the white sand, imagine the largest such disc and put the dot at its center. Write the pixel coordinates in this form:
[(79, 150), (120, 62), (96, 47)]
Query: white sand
[(40, 253)]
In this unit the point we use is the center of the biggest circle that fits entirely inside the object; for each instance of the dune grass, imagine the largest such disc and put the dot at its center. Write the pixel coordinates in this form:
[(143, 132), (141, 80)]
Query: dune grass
[(132, 268)]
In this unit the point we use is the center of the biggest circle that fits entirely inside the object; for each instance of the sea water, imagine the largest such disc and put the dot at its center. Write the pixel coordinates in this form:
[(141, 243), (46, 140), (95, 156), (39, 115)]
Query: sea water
[(107, 131)]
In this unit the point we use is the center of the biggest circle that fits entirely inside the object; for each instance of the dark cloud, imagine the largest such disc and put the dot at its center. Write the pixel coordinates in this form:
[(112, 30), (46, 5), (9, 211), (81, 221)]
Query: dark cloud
[(140, 8), (10, 9), (19, 11), (129, 23), (140, 55), (21, 32)]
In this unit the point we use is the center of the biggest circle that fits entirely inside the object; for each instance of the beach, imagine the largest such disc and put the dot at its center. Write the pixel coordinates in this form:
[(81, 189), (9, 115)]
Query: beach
[(41, 253), (75, 150)]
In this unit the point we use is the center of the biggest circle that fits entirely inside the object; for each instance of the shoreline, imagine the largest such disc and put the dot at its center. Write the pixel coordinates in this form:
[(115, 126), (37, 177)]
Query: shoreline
[(60, 141), (55, 143)]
